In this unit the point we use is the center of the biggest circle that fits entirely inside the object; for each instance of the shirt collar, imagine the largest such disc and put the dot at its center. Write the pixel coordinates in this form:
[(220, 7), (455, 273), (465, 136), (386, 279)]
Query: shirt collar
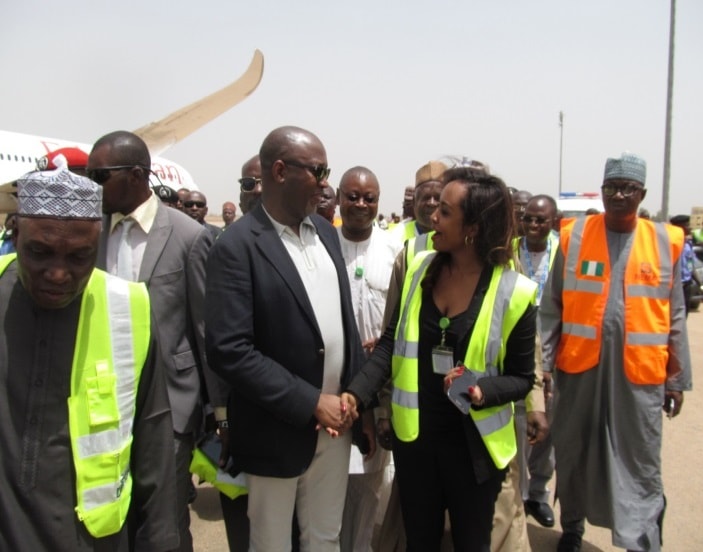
[(282, 228), (144, 215)]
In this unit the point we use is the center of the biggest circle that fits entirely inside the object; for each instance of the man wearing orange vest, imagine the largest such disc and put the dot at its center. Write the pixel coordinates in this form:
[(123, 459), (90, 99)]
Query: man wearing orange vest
[(614, 335)]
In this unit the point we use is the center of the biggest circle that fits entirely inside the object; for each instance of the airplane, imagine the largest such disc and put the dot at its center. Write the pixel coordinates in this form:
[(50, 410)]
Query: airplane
[(19, 153)]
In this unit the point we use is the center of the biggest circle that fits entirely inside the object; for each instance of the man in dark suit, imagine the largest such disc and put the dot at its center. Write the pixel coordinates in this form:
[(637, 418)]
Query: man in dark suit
[(280, 330), (195, 206), (144, 240)]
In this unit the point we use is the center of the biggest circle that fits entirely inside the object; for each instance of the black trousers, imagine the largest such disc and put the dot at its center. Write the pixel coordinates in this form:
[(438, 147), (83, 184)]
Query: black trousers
[(435, 474)]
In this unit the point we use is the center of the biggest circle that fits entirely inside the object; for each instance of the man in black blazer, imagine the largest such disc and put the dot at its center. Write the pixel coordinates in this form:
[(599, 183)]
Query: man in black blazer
[(280, 330), (167, 250)]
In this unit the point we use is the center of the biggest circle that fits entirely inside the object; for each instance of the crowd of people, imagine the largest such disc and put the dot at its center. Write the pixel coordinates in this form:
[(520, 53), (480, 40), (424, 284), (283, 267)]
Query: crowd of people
[(480, 340)]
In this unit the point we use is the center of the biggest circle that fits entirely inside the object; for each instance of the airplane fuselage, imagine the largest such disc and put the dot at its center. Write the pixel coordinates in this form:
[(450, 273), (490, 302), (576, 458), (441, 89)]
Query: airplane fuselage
[(19, 154)]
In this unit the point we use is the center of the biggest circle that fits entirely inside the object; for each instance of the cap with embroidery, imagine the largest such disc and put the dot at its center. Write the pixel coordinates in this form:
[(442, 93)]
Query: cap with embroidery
[(430, 171), (59, 194), (75, 158), (627, 167)]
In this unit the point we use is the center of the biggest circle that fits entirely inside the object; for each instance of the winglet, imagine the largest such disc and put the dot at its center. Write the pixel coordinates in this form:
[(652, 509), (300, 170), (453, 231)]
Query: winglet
[(162, 134)]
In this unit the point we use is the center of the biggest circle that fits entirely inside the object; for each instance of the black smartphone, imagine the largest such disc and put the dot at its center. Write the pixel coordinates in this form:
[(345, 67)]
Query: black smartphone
[(458, 391)]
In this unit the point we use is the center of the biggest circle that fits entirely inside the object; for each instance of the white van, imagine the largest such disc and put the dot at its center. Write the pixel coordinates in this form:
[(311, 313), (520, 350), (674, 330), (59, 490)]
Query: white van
[(575, 204)]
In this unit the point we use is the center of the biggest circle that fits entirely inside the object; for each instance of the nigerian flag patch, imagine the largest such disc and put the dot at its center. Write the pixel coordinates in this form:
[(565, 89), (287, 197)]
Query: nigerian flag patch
[(592, 268)]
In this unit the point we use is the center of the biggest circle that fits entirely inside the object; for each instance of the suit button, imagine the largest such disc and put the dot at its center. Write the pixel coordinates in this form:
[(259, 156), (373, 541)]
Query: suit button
[(321, 352)]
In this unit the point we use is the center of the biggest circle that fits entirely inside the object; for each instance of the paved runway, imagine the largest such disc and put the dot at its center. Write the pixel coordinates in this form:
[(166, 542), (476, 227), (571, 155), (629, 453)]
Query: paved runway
[(682, 457)]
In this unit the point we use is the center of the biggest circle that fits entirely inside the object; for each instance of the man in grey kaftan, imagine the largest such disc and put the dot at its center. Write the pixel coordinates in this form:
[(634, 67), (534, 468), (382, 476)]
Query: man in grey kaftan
[(607, 431)]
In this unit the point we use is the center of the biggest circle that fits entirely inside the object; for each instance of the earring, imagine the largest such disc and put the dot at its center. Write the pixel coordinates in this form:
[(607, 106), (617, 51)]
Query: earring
[(466, 241)]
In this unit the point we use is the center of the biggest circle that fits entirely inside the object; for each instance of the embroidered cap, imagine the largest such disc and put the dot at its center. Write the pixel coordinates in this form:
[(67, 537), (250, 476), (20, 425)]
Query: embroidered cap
[(430, 171), (627, 167), (59, 194)]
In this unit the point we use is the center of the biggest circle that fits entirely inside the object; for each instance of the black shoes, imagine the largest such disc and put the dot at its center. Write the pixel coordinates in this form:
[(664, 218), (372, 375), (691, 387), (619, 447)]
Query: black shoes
[(569, 542), (541, 511)]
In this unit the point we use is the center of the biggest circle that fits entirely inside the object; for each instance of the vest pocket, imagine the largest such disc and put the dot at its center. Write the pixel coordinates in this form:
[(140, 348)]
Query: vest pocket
[(101, 399)]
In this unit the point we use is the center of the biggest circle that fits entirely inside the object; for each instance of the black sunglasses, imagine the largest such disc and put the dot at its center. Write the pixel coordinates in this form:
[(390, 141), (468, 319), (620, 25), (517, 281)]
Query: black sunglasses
[(354, 198), (626, 190), (249, 183), (102, 175), (320, 172), (198, 204), (538, 220)]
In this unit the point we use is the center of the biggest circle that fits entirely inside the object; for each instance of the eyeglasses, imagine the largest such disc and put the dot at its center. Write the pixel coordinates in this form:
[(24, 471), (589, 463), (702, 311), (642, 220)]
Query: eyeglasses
[(198, 204), (102, 175), (626, 190), (249, 183), (537, 220), (353, 198), (320, 172)]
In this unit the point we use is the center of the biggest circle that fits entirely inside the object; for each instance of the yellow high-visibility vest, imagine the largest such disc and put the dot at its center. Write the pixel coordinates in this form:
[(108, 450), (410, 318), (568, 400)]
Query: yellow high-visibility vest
[(508, 296), (111, 347)]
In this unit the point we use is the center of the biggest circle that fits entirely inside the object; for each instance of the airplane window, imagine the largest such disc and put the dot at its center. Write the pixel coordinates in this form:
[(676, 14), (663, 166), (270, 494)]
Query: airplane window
[(23, 158), (2, 157), (16, 158)]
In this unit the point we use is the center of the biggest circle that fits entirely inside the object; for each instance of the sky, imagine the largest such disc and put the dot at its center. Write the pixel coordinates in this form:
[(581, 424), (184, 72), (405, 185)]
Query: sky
[(387, 85)]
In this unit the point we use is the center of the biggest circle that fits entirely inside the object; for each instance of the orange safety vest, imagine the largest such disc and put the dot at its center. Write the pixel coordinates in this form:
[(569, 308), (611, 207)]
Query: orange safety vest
[(649, 276)]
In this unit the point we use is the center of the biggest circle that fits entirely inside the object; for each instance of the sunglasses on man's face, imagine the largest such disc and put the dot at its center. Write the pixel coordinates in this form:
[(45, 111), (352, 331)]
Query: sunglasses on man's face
[(537, 220), (626, 190), (320, 172), (190, 204), (249, 183), (103, 174)]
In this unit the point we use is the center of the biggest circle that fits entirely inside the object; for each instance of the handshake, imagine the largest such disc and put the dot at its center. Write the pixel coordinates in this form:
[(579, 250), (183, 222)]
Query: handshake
[(336, 414)]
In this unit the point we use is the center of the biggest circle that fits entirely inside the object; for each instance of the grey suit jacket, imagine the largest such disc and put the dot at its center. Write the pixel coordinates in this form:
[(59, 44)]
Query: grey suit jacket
[(173, 268)]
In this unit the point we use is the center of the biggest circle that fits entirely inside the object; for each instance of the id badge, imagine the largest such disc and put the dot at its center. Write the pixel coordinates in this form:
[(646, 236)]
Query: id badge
[(442, 359)]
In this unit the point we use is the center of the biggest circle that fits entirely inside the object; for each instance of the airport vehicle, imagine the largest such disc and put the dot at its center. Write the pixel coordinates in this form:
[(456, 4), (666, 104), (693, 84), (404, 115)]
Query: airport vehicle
[(19, 152), (575, 204)]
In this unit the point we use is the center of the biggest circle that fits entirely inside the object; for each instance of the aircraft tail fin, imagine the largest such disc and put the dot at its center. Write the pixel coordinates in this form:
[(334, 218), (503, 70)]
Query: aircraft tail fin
[(162, 134)]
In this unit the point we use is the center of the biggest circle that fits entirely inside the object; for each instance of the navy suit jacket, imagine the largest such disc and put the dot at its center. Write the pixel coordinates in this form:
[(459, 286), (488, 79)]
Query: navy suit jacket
[(263, 339)]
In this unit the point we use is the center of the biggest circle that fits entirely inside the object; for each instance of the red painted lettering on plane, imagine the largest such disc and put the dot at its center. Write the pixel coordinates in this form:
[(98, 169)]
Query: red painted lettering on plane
[(167, 172), (49, 146)]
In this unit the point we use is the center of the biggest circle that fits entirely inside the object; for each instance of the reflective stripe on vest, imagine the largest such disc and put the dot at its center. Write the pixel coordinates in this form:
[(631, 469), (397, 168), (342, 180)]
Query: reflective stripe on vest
[(204, 468), (508, 295), (647, 284), (423, 242)]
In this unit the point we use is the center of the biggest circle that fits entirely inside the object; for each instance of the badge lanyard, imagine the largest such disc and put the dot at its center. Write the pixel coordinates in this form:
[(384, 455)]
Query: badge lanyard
[(443, 356), (532, 273)]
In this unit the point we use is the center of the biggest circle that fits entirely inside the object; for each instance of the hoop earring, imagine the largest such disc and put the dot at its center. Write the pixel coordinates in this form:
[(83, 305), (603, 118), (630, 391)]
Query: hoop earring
[(468, 242)]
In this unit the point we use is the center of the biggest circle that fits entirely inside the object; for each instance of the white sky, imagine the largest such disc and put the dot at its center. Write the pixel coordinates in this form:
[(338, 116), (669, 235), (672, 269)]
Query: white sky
[(388, 85)]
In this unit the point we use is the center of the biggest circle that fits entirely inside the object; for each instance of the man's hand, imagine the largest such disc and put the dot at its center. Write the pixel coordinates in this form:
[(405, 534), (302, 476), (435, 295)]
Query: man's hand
[(334, 414), (384, 433), (673, 401), (547, 379), (537, 427)]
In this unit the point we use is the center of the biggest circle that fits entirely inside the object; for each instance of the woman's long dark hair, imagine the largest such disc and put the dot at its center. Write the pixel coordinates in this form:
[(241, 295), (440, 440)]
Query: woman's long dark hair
[(486, 204)]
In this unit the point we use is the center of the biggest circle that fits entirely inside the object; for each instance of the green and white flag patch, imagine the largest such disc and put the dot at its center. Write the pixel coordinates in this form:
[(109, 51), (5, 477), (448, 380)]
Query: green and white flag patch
[(592, 268)]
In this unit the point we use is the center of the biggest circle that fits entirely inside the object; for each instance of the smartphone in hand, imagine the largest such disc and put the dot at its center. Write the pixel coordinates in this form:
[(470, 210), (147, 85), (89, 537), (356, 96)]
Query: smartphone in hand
[(458, 391)]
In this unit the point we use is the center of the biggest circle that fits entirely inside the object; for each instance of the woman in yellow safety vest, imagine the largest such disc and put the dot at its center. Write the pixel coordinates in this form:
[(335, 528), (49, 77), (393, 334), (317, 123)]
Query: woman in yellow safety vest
[(461, 306)]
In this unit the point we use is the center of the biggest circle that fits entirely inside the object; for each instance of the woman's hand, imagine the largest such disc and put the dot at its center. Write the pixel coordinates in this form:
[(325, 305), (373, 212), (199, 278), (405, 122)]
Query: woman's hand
[(452, 375)]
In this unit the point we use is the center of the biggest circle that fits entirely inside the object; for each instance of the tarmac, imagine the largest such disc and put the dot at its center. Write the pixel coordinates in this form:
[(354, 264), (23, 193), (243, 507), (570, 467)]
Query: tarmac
[(683, 485)]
